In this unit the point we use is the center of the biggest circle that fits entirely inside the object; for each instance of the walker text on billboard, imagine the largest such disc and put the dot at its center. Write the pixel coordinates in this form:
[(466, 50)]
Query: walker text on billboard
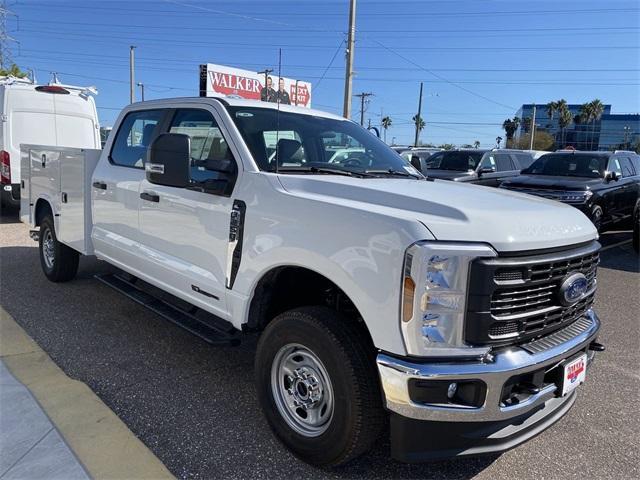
[(218, 80)]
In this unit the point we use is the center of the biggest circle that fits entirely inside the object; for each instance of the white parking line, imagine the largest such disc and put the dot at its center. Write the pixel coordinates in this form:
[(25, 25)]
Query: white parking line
[(608, 247)]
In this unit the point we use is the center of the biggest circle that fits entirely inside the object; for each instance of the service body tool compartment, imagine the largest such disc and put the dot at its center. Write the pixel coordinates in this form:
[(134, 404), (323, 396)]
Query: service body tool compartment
[(62, 177)]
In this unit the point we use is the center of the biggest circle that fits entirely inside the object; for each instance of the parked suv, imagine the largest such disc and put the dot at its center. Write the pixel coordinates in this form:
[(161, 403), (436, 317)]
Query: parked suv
[(605, 186), (482, 167)]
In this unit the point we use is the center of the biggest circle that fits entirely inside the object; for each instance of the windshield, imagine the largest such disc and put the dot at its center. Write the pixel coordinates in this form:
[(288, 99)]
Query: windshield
[(311, 144), (568, 165), (455, 160)]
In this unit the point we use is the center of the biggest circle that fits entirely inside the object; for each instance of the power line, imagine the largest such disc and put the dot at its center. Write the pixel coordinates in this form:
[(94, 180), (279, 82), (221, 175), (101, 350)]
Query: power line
[(328, 66)]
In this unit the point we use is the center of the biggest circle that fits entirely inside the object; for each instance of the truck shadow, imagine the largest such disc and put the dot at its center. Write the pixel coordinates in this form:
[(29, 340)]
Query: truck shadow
[(617, 252), (194, 405)]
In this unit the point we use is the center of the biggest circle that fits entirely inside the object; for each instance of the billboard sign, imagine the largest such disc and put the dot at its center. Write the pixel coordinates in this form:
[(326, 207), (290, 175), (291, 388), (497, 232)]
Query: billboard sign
[(219, 80)]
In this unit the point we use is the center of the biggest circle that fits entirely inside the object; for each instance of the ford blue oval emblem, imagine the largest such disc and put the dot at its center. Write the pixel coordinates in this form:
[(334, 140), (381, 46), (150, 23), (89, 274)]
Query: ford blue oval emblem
[(573, 288)]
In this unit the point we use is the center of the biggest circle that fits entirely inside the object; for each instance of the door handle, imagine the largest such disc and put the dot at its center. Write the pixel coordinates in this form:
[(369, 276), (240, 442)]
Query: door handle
[(99, 184), (150, 197)]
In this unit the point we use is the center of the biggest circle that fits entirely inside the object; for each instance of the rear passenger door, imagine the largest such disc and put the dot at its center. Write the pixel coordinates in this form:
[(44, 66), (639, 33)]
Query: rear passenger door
[(501, 166), (184, 232), (115, 188), (630, 186)]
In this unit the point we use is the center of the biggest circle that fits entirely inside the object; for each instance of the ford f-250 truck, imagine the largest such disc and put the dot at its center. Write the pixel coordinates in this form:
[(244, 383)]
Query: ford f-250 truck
[(379, 295)]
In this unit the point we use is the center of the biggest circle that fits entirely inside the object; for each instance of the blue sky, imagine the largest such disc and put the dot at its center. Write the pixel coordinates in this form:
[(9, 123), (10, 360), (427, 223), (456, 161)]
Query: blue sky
[(480, 60)]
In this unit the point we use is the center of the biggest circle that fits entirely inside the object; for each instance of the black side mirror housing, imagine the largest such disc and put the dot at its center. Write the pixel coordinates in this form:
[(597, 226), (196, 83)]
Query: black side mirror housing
[(609, 176), (483, 170), (168, 160)]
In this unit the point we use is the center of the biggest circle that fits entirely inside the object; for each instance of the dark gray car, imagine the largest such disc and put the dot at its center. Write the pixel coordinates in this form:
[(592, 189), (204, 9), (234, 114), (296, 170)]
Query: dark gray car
[(481, 167)]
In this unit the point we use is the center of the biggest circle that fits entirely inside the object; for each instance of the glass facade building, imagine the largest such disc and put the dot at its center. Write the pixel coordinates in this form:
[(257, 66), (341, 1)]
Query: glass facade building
[(609, 132)]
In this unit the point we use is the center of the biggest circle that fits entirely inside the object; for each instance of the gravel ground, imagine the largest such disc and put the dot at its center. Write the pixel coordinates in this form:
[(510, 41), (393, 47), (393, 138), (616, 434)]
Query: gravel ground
[(194, 405)]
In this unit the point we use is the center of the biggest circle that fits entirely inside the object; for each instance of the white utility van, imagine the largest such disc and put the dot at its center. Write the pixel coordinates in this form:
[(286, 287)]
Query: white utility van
[(53, 114)]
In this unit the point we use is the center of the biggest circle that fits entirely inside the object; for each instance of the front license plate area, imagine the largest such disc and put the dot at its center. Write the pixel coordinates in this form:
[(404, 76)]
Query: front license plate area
[(574, 374)]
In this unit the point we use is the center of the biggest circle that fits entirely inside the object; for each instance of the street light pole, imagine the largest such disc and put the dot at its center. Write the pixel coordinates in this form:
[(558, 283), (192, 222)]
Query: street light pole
[(533, 127), (141, 85), (132, 88)]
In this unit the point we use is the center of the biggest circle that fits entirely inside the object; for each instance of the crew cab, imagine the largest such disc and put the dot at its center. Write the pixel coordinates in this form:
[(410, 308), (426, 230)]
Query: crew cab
[(605, 186), (378, 295), (481, 167)]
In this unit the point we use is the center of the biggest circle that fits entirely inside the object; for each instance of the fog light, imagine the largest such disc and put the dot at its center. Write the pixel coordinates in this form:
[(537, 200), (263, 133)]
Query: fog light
[(451, 391)]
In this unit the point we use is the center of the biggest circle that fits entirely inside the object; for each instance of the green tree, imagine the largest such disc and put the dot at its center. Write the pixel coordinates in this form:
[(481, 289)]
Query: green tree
[(552, 107), (418, 121), (586, 113), (510, 127), (541, 141), (13, 71), (564, 120), (476, 144), (447, 146), (597, 109), (386, 123)]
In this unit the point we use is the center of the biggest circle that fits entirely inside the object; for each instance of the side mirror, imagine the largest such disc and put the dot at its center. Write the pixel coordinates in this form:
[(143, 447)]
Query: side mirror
[(609, 176), (483, 170), (168, 160), (415, 161)]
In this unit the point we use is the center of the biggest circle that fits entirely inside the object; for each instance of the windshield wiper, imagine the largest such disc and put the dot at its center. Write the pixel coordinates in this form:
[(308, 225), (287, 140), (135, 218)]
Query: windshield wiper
[(323, 170), (395, 173)]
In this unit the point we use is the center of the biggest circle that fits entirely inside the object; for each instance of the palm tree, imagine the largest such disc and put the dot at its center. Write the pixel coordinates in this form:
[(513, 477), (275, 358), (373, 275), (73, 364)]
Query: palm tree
[(419, 122), (552, 107), (586, 112), (13, 71), (510, 126), (386, 123), (564, 119), (476, 144), (597, 109)]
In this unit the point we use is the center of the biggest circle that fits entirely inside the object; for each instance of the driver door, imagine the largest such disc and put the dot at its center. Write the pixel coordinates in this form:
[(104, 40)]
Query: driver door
[(185, 231)]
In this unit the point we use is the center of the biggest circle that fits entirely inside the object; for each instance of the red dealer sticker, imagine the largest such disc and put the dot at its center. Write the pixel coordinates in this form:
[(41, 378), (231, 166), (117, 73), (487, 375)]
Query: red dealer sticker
[(575, 372)]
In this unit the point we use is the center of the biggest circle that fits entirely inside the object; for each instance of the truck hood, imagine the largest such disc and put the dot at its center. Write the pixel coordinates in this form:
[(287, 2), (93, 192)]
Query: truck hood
[(553, 182), (452, 211)]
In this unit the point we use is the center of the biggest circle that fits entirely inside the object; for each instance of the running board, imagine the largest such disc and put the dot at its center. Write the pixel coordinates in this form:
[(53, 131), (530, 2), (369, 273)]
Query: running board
[(207, 326)]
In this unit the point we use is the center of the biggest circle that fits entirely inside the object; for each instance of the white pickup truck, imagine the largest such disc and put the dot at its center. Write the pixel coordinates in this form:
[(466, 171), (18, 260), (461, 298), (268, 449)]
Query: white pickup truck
[(461, 315)]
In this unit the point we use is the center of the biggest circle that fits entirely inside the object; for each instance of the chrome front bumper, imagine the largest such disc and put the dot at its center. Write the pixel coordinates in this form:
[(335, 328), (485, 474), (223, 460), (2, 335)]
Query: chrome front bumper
[(395, 375)]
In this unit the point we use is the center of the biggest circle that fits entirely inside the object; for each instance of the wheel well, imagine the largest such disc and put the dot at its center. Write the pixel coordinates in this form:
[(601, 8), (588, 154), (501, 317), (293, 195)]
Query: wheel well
[(41, 211), (285, 288)]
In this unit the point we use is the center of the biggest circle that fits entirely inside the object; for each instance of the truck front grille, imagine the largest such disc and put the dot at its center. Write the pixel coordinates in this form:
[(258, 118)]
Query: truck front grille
[(515, 299)]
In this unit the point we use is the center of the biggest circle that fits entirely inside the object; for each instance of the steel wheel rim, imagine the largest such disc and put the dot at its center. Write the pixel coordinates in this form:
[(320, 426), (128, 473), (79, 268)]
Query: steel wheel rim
[(302, 390), (48, 248)]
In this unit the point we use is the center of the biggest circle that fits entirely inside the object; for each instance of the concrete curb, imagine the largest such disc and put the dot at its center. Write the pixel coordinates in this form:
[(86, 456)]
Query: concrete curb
[(99, 439)]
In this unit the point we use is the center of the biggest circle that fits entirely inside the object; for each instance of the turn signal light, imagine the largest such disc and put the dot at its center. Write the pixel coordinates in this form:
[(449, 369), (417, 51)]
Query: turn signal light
[(5, 167), (408, 294)]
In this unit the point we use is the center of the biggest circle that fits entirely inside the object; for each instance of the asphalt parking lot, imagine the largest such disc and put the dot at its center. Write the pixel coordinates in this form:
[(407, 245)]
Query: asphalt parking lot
[(194, 405)]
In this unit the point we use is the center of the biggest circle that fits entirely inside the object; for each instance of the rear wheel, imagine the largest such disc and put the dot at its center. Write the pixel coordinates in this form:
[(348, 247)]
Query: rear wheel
[(317, 385), (59, 262)]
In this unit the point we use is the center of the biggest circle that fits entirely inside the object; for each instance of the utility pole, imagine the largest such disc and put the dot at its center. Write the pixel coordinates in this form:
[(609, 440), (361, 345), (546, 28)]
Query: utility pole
[(363, 96), (6, 59), (418, 117), (348, 77), (533, 126), (132, 81), (141, 85)]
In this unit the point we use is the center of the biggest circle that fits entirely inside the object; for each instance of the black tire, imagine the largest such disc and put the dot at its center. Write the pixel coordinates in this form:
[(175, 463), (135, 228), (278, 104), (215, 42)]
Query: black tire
[(596, 217), (349, 361), (63, 261)]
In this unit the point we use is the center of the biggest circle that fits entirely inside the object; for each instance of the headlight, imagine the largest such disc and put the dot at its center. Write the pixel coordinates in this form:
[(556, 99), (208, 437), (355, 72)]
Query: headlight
[(576, 197), (434, 298)]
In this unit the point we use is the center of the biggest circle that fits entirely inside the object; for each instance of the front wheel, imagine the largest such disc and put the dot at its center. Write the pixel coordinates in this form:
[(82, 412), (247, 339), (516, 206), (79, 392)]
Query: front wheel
[(59, 262), (596, 217), (318, 386)]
